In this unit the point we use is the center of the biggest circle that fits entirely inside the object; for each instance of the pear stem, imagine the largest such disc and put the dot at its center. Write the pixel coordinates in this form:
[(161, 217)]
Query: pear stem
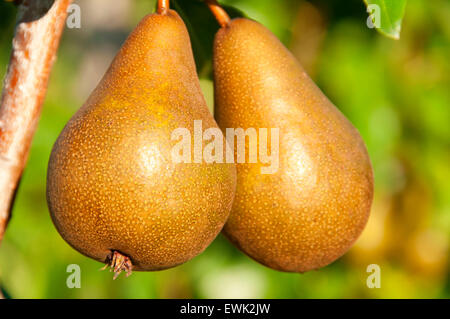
[(163, 6), (219, 13)]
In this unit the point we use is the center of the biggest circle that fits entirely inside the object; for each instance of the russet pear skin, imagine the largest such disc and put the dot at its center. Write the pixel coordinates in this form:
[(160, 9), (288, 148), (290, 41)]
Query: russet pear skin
[(311, 211), (112, 185)]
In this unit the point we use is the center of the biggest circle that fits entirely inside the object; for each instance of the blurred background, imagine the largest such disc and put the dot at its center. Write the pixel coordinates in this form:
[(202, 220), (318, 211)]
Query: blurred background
[(397, 93)]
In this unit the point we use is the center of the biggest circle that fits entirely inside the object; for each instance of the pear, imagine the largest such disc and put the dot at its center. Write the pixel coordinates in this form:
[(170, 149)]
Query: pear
[(311, 210), (113, 190)]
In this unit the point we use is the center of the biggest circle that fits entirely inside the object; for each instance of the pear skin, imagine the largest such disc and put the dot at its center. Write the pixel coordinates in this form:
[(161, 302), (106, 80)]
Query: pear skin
[(311, 210), (112, 186)]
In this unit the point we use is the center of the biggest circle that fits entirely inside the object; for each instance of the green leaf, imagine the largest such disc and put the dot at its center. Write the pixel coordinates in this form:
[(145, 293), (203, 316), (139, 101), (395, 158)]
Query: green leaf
[(202, 27), (386, 16)]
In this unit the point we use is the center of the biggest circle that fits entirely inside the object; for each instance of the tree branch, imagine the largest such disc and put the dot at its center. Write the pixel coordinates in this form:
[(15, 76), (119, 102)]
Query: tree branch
[(38, 31)]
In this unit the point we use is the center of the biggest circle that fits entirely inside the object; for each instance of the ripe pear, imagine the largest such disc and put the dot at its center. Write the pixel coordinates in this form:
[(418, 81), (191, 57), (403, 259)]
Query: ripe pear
[(113, 190), (312, 209)]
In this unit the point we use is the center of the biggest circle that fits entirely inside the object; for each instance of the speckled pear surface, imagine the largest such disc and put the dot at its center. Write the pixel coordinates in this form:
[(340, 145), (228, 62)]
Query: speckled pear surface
[(315, 206), (112, 185)]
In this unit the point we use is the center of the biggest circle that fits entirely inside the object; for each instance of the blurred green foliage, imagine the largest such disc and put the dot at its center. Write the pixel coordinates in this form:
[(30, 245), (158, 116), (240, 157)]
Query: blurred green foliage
[(395, 92)]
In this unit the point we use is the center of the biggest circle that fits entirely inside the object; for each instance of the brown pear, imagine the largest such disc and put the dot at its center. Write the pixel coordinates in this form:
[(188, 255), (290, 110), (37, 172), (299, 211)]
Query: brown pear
[(113, 190), (308, 212)]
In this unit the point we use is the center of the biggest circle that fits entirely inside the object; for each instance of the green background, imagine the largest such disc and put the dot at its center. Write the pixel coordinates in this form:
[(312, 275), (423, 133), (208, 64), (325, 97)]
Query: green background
[(397, 93)]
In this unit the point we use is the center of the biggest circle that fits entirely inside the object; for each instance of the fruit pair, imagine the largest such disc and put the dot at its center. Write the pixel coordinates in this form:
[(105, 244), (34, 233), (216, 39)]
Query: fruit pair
[(115, 195)]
